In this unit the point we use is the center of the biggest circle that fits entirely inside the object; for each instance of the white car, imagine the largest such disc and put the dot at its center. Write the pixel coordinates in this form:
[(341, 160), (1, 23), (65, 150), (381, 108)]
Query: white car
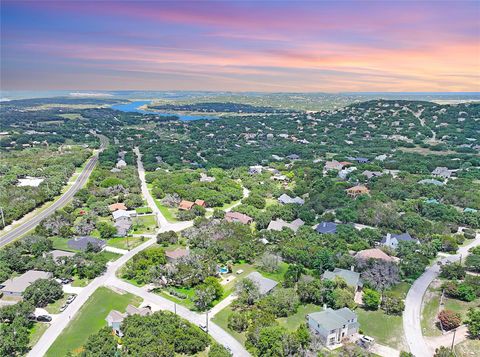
[(366, 341)]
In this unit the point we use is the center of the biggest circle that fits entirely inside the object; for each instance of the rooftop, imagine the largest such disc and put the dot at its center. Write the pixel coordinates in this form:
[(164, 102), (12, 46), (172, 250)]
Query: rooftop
[(265, 285), (20, 283), (352, 278), (331, 319)]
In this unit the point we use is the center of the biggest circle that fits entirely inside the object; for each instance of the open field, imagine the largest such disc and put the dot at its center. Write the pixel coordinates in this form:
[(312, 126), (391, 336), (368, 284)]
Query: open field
[(125, 242), (386, 329), (90, 319)]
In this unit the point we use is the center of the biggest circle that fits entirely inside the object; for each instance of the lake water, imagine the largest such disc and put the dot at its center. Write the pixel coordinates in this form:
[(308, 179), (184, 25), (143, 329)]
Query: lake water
[(134, 107)]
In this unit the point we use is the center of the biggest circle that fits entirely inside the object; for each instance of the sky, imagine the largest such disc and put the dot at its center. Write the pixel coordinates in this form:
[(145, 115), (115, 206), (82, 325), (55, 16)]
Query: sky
[(272, 46)]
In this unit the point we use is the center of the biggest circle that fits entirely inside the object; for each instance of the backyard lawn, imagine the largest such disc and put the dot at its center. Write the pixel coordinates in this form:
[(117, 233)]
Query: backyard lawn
[(89, 320), (386, 329), (144, 224), (62, 244), (221, 319), (292, 322), (54, 308), (125, 242)]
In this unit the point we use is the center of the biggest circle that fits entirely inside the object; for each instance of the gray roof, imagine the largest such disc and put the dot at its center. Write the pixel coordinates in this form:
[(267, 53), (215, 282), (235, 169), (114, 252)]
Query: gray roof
[(431, 182), (56, 254), (351, 278), (20, 283), (115, 316), (264, 284), (331, 319), (285, 199), (326, 227), (404, 237), (81, 243)]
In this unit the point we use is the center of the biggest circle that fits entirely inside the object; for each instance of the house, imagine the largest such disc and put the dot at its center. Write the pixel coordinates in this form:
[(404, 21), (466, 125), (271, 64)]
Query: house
[(206, 178), (200, 203), (265, 285), (16, 286), (117, 206), (122, 214), (254, 170), (81, 243), (186, 205), (174, 255), (470, 210), (351, 277), (238, 217), (392, 240), (370, 174), (286, 199), (115, 318), (343, 173), (374, 253), (357, 190), (279, 224), (293, 157), (431, 182), (57, 255), (122, 225), (333, 326), (333, 165), (432, 201), (326, 227), (442, 171), (360, 160), (278, 177), (120, 164)]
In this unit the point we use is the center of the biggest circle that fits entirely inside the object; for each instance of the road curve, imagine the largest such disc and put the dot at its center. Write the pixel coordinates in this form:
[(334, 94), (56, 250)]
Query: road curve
[(413, 303), (59, 203)]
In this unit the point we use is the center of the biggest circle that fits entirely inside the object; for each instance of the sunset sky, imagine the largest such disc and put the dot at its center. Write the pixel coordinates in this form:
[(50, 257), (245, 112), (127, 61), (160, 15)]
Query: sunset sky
[(241, 46)]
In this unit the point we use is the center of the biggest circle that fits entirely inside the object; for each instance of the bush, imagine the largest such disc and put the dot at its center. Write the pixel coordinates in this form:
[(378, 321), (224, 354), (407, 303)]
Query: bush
[(449, 319), (238, 321), (473, 322), (469, 233), (371, 299), (167, 238), (392, 305), (452, 271)]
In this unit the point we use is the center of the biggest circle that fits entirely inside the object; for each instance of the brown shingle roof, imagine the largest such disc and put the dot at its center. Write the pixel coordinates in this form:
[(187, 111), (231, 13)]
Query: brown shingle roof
[(238, 217), (186, 205), (374, 253), (117, 206)]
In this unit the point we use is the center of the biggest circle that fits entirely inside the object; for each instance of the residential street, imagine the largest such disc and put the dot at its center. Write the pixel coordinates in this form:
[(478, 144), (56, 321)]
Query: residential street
[(110, 279), (413, 303)]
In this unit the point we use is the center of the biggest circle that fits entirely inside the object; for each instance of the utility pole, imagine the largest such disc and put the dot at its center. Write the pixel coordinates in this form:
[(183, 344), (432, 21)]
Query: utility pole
[(453, 339), (3, 218), (175, 307), (207, 321)]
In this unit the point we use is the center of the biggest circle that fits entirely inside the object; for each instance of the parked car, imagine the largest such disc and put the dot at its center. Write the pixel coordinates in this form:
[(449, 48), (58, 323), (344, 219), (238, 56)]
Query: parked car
[(44, 318), (366, 341), (32, 317), (71, 298), (66, 281), (63, 307)]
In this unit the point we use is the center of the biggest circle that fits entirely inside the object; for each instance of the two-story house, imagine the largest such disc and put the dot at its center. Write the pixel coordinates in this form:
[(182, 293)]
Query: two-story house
[(333, 326)]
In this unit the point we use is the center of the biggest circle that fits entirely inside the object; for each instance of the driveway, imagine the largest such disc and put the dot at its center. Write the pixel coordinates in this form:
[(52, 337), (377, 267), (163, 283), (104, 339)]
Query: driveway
[(413, 303)]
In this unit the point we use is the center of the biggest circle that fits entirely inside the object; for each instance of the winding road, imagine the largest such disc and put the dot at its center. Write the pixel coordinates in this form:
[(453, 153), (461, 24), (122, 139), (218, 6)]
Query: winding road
[(60, 322), (31, 223), (413, 303)]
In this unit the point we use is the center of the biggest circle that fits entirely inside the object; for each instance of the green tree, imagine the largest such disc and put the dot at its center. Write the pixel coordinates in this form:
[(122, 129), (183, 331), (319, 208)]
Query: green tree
[(473, 322), (100, 344), (42, 292), (217, 350), (371, 299), (106, 230), (247, 291)]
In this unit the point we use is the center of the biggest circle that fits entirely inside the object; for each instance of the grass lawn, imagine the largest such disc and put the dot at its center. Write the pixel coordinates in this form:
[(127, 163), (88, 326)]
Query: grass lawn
[(121, 242), (89, 320), (36, 332), (54, 308), (386, 329), (292, 322), (221, 319), (467, 348), (61, 243), (431, 307), (142, 210), (110, 255), (80, 283), (144, 224), (278, 275), (228, 205), (168, 213), (400, 290)]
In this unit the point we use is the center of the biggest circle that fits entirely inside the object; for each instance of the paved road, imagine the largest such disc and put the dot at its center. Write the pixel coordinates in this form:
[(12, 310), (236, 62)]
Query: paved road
[(109, 278), (413, 303), (59, 203)]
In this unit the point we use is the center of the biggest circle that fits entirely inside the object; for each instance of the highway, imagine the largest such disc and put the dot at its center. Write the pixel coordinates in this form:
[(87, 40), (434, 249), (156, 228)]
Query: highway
[(59, 203)]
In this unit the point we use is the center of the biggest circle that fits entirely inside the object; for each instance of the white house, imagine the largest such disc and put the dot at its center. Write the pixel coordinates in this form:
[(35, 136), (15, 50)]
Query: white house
[(333, 326)]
